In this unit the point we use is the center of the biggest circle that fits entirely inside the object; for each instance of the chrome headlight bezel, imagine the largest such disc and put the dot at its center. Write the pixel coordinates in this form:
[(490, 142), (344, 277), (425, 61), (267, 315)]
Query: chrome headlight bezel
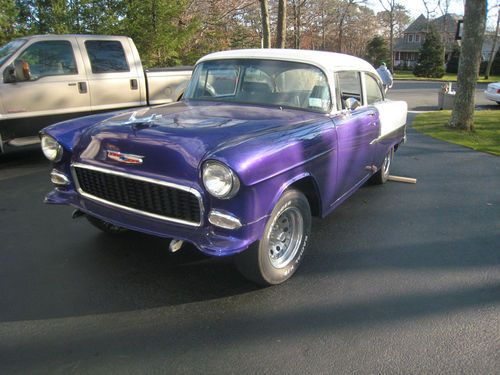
[(51, 148), (216, 173)]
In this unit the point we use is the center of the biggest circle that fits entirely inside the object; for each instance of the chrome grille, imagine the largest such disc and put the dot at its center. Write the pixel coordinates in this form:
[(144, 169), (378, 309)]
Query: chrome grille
[(143, 195)]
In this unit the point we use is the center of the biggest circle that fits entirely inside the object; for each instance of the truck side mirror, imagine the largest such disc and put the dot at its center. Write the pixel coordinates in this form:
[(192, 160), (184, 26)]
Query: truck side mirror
[(9, 74)]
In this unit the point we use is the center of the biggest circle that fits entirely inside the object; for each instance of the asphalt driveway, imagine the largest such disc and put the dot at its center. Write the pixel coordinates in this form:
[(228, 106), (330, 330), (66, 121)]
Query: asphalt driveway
[(400, 279)]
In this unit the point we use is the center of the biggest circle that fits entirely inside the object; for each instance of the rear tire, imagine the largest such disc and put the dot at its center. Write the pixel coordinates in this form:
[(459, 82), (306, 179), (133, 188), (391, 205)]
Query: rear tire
[(276, 257), (105, 226), (381, 176)]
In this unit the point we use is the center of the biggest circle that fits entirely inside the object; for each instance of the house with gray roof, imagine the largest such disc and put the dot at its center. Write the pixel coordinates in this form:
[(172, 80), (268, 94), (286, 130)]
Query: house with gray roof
[(407, 48)]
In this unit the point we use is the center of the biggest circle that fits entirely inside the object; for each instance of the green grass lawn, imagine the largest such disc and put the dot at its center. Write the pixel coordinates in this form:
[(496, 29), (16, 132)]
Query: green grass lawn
[(446, 78), (485, 138)]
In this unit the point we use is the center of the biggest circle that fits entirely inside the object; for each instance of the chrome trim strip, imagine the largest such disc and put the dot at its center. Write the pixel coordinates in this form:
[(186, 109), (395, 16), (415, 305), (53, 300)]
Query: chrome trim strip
[(387, 135), (195, 192)]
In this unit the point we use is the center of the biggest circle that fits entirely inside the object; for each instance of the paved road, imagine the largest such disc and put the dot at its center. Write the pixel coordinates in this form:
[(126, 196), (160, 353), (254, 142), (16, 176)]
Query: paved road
[(423, 96), (400, 279)]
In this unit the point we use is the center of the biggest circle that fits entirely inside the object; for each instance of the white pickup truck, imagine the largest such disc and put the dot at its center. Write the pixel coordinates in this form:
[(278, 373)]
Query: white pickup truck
[(50, 78)]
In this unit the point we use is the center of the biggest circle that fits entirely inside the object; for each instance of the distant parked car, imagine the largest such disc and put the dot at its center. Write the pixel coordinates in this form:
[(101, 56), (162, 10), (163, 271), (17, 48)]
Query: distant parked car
[(262, 140), (493, 92)]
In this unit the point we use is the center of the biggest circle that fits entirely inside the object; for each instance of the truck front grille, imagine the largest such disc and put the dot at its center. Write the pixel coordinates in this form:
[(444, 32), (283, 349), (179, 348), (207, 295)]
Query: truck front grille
[(142, 195)]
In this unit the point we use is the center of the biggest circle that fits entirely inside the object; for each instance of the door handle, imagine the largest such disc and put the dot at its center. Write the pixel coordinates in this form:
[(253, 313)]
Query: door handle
[(82, 87), (133, 84), (372, 114)]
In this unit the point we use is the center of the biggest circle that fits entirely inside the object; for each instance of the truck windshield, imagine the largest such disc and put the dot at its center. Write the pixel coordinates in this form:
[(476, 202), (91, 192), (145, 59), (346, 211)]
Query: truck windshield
[(8, 49), (267, 82)]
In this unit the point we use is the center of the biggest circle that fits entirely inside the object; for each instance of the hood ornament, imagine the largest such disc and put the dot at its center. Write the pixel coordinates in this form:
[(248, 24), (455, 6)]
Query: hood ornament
[(124, 158), (142, 122)]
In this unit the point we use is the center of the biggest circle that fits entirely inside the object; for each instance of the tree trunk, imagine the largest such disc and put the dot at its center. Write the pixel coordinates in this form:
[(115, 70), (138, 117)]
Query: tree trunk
[(474, 24), (297, 5), (341, 34), (323, 30), (281, 32), (266, 33), (391, 41), (492, 54)]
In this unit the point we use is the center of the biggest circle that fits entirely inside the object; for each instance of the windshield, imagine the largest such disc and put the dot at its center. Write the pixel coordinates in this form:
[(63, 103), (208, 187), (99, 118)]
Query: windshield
[(268, 82), (8, 49)]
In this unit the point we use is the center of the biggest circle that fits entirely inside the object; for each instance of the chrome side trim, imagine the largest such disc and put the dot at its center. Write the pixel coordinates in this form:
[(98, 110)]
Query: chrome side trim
[(195, 192), (390, 134)]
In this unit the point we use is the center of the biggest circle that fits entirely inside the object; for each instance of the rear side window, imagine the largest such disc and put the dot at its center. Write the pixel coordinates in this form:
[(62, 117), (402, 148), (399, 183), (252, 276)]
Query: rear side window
[(49, 58), (106, 56), (350, 86), (373, 92)]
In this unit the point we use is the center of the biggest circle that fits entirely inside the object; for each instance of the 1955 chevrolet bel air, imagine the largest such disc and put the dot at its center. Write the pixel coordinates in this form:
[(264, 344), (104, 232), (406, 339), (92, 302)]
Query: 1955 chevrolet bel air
[(262, 141)]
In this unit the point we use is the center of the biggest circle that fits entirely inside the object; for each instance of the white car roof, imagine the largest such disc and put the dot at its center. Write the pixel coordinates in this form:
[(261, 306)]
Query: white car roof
[(328, 61)]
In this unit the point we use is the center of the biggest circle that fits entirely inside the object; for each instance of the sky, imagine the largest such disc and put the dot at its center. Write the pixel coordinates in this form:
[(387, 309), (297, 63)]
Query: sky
[(416, 7)]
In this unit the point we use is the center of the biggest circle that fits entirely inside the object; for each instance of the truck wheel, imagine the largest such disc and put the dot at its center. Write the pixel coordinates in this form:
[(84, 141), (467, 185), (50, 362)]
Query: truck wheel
[(105, 226), (380, 177), (276, 257)]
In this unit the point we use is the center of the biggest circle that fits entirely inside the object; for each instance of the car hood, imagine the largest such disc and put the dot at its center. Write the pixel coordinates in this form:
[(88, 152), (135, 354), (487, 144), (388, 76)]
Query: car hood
[(173, 140)]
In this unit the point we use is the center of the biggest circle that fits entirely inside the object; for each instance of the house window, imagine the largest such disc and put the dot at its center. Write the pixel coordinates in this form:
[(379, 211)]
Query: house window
[(417, 38), (410, 38)]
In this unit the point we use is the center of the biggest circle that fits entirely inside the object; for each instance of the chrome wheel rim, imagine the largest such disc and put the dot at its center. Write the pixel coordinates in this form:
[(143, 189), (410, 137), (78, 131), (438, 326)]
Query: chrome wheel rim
[(285, 237), (387, 163)]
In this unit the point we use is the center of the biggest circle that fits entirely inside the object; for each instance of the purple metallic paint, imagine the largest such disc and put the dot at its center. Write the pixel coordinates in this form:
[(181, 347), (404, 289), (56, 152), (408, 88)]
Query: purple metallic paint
[(269, 149)]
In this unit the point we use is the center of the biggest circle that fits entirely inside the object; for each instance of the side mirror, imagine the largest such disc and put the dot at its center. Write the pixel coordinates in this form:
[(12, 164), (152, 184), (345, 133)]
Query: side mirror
[(9, 74), (352, 103), (22, 70)]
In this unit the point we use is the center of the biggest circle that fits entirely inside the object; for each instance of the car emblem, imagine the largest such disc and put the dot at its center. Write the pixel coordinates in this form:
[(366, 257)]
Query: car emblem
[(124, 158)]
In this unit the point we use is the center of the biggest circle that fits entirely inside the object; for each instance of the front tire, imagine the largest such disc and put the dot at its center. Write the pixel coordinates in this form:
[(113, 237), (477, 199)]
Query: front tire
[(276, 257), (105, 226)]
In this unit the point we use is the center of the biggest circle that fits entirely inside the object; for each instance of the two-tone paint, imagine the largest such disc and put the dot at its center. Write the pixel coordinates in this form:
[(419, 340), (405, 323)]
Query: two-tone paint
[(327, 156)]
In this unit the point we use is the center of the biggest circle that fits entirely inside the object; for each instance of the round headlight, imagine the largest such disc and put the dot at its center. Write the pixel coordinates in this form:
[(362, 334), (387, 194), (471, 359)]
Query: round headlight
[(51, 149), (220, 180)]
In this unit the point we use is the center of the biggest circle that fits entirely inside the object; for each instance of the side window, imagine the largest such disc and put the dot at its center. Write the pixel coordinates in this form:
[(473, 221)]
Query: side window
[(349, 86), (217, 81), (50, 58), (373, 92), (106, 56)]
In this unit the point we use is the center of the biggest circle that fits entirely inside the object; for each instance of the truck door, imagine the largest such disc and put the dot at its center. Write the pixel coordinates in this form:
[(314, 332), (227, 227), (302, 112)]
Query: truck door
[(355, 130), (113, 75), (52, 87)]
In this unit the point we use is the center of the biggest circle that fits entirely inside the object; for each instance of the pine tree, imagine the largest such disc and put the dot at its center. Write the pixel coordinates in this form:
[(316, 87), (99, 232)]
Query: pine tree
[(377, 51), (452, 66), (495, 68), (430, 61)]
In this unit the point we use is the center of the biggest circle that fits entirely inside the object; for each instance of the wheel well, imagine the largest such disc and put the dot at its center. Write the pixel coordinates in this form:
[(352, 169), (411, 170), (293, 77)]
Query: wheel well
[(308, 187)]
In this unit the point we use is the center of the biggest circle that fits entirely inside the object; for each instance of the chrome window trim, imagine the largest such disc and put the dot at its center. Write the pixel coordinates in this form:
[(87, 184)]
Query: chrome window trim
[(195, 192)]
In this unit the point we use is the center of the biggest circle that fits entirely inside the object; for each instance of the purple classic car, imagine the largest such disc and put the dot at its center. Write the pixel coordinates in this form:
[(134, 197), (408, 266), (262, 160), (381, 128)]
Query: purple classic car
[(262, 141)]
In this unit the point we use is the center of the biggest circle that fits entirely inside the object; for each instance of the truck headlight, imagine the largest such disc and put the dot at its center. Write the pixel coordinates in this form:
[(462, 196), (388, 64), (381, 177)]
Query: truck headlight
[(220, 180), (51, 149)]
